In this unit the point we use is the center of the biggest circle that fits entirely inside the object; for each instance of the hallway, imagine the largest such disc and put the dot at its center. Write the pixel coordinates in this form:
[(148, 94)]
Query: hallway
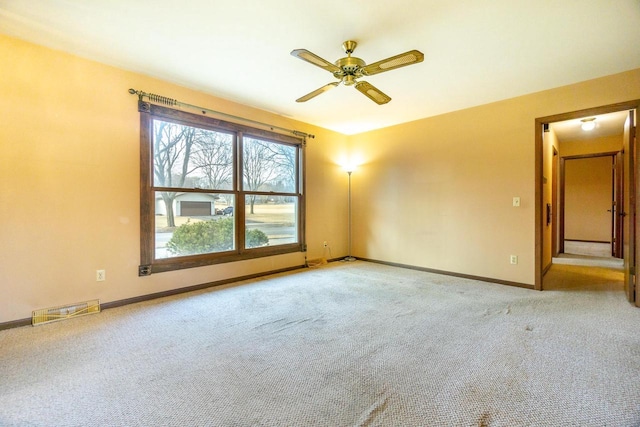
[(588, 254), (587, 267)]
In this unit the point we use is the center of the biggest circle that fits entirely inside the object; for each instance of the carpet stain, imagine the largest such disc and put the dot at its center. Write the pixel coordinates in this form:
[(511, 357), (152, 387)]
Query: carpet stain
[(484, 420)]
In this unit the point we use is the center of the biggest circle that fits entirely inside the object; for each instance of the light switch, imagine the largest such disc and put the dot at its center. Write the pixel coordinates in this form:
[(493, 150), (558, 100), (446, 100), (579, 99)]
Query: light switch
[(516, 202)]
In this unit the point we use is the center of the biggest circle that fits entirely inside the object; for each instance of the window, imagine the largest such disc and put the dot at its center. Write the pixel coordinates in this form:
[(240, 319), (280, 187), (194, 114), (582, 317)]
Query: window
[(213, 191)]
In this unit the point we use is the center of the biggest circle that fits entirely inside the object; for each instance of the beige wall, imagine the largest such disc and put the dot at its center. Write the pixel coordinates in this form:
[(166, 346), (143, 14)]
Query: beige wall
[(588, 194), (433, 193), (69, 174), (437, 193), (607, 144)]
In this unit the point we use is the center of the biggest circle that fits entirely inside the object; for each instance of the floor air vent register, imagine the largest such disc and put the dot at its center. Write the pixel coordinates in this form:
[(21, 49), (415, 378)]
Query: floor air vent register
[(53, 314)]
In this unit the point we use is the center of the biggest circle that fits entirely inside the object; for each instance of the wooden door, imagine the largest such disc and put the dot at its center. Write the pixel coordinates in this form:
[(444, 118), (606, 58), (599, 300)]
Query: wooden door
[(628, 212), (630, 135), (618, 206), (554, 204)]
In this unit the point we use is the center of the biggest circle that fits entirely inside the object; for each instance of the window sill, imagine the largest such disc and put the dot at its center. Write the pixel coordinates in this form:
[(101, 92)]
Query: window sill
[(163, 265)]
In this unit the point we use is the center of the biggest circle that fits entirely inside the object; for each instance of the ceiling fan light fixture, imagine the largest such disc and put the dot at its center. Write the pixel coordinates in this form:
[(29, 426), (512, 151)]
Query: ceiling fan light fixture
[(349, 80), (588, 124), (349, 69)]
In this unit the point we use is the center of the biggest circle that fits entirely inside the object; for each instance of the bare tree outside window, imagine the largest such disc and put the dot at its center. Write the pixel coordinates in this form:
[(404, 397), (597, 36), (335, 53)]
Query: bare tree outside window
[(267, 166), (214, 156), (218, 192), (186, 156), (171, 151)]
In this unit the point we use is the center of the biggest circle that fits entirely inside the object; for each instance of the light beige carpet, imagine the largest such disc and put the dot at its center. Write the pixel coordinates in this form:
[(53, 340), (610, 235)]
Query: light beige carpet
[(594, 249), (346, 344), (588, 254)]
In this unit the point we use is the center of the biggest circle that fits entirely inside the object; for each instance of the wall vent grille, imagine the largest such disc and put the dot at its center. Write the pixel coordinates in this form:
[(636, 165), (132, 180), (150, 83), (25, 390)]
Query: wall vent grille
[(52, 314)]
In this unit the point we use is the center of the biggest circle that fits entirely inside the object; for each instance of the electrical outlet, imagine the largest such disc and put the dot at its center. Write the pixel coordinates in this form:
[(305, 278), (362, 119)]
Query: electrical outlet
[(513, 259), (101, 275), (325, 244)]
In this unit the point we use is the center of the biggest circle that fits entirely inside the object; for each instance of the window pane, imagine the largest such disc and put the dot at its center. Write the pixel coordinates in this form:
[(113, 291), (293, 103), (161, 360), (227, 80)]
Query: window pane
[(268, 166), (197, 173), (270, 220), (193, 223), (189, 157)]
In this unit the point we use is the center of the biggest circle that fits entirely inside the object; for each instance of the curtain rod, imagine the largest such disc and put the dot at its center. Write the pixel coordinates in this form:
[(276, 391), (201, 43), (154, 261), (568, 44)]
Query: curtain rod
[(173, 102)]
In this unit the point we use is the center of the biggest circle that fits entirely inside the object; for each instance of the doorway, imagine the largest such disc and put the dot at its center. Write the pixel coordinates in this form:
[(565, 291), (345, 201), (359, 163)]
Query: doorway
[(547, 212), (589, 202)]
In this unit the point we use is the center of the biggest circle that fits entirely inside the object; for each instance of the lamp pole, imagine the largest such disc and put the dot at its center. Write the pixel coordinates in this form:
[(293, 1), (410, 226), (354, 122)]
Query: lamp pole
[(349, 257)]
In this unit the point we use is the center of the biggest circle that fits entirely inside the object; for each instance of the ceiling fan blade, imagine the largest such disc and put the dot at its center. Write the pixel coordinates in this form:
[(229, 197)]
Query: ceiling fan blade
[(402, 60), (373, 93), (314, 59), (317, 92)]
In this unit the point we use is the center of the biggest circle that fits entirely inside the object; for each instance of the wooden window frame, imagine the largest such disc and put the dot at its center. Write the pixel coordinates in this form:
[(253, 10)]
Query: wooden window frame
[(148, 263)]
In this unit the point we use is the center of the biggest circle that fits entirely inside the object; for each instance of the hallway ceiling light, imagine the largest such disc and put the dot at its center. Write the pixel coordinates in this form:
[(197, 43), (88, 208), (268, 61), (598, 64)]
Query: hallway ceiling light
[(588, 124)]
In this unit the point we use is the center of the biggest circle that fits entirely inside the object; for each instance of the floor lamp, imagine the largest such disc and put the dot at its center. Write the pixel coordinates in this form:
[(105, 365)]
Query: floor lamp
[(349, 257)]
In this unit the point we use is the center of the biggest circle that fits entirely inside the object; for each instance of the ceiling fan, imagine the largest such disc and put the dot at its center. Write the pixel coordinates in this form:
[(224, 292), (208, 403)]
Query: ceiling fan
[(350, 68)]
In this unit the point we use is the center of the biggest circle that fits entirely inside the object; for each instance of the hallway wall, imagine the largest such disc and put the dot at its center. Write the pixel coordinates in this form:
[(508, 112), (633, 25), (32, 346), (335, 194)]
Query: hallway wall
[(588, 196), (605, 144), (437, 193)]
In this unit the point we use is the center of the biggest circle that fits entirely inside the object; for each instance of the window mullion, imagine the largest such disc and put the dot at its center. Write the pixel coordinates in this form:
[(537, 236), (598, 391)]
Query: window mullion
[(240, 202)]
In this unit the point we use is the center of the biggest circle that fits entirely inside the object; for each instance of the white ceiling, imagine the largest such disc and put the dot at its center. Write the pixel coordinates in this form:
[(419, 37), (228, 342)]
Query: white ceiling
[(476, 51), (606, 125)]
